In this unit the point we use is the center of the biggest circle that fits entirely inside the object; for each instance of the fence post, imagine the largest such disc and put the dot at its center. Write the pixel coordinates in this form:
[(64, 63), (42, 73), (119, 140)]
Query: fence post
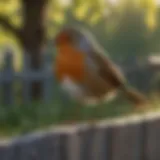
[(7, 79), (47, 78), (26, 79)]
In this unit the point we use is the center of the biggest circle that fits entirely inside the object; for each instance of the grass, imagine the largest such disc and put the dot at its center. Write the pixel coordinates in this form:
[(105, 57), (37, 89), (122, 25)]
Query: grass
[(24, 118), (21, 119)]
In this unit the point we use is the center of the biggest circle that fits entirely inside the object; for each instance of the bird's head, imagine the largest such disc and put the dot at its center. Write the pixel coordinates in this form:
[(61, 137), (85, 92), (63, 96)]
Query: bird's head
[(77, 37), (67, 36)]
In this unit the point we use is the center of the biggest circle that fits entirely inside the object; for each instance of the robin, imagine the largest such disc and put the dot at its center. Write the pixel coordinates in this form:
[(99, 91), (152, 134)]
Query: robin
[(86, 73)]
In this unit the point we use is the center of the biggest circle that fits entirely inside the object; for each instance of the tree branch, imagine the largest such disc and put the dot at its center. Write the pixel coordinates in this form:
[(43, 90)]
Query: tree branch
[(5, 23)]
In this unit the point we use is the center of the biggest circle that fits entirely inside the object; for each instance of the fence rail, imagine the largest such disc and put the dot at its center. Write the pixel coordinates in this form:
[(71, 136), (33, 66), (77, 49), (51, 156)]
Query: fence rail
[(128, 138)]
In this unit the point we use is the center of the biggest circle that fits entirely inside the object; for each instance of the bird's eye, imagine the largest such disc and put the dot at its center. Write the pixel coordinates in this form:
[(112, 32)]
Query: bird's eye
[(64, 37)]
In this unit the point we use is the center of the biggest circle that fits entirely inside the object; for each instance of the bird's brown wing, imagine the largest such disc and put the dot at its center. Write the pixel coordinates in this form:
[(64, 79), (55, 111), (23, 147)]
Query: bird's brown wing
[(99, 79), (95, 85), (107, 70), (114, 78)]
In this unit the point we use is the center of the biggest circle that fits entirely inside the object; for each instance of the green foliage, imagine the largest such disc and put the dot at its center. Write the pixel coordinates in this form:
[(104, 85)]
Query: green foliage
[(120, 28), (21, 119)]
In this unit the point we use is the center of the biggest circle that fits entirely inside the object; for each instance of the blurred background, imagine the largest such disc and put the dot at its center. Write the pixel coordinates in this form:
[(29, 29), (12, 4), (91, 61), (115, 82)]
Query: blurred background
[(129, 31)]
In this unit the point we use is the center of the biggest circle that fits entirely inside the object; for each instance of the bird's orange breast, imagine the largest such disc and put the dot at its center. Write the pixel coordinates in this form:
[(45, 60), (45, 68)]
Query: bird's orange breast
[(71, 63)]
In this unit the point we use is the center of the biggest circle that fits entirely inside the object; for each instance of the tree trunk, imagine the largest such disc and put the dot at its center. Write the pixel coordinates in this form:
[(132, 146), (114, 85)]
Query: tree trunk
[(33, 36)]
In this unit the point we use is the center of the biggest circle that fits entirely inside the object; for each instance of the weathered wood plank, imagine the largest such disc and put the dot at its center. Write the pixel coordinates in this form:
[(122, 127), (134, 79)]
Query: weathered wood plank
[(102, 144), (152, 144), (86, 135), (73, 146), (3, 151), (37, 147), (124, 141)]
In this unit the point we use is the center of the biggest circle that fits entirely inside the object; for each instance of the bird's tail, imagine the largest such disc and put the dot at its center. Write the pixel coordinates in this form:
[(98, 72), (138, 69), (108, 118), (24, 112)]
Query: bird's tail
[(136, 97)]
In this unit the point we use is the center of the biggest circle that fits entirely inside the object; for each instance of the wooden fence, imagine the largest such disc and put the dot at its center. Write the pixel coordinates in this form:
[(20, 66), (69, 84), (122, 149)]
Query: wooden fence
[(8, 77), (128, 138)]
